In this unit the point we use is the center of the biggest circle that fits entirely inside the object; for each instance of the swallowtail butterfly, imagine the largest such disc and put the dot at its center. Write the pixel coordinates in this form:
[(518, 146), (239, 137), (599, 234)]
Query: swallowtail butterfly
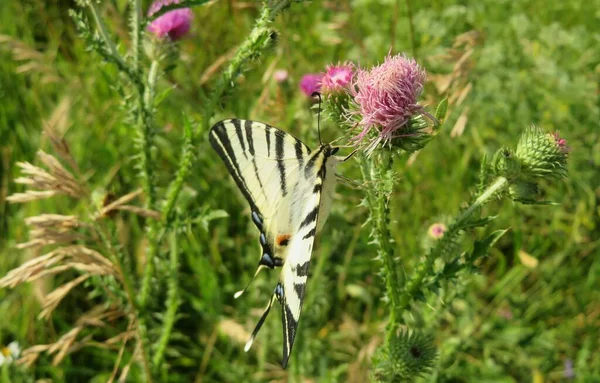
[(290, 190)]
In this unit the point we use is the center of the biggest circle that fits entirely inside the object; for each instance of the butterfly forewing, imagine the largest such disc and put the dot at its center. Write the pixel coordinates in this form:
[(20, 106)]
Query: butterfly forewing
[(264, 163), (283, 182)]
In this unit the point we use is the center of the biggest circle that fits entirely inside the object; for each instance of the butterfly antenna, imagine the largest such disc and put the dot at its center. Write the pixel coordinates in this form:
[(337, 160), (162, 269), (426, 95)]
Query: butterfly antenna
[(317, 94)]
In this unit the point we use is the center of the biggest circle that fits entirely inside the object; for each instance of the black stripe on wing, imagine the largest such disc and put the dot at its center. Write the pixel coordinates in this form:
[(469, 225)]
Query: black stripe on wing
[(280, 155), (219, 140)]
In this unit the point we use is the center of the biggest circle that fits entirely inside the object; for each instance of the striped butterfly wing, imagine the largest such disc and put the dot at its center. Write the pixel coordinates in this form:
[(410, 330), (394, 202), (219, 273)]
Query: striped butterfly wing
[(264, 162), (284, 186), (291, 288)]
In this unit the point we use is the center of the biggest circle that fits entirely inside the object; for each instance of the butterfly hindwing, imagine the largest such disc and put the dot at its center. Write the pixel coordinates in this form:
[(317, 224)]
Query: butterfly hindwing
[(286, 185), (294, 274)]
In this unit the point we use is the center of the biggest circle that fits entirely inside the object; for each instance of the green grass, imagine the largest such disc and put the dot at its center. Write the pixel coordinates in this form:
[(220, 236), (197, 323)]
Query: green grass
[(532, 62)]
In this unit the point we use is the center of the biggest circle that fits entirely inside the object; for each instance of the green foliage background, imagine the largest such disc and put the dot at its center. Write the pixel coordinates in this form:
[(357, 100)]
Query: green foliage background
[(533, 62)]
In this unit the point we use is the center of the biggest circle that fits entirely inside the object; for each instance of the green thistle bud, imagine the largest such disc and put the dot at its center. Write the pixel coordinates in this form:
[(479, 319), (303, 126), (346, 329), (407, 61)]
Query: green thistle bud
[(335, 106), (506, 164), (414, 136), (408, 355), (335, 87), (542, 155), (524, 191)]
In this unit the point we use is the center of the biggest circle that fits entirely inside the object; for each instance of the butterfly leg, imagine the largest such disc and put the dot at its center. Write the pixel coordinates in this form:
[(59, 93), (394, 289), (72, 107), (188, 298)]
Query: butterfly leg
[(349, 182), (349, 156)]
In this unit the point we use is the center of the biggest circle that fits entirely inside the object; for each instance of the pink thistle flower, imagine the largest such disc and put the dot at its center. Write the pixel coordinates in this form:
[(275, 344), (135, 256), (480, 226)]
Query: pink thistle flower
[(311, 83), (174, 24), (387, 95), (337, 78), (437, 230)]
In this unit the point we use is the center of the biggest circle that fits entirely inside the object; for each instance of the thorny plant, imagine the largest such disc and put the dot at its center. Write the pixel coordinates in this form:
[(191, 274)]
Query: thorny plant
[(88, 243), (378, 107), (381, 104)]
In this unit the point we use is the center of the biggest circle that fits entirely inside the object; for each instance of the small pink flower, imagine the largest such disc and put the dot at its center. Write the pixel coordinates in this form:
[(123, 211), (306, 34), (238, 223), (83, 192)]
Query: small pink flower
[(174, 24), (337, 78), (311, 83), (437, 230), (561, 143), (280, 75), (387, 95)]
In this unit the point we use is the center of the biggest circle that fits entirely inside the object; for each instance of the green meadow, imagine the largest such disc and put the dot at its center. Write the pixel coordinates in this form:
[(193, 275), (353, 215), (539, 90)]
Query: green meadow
[(528, 311)]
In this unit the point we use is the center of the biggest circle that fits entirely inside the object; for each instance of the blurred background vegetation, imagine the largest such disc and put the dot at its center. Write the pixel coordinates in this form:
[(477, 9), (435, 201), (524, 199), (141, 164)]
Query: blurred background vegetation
[(532, 311)]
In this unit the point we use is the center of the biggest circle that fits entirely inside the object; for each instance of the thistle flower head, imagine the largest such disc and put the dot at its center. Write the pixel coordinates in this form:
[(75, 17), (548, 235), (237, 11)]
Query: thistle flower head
[(387, 95), (406, 357), (175, 24), (311, 83), (437, 230), (524, 191), (542, 155), (337, 78)]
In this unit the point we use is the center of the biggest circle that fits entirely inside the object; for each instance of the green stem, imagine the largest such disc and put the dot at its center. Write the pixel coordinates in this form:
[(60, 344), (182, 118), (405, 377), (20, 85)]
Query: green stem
[(496, 187), (151, 89), (146, 131), (378, 202), (173, 6), (185, 166), (251, 49), (149, 267), (155, 232), (172, 304), (136, 32), (146, 134), (424, 269), (104, 33)]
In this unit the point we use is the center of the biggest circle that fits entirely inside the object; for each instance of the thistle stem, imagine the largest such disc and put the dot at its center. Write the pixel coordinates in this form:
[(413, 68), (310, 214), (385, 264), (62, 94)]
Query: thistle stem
[(172, 304), (185, 165), (104, 33), (379, 206), (250, 49), (496, 187), (136, 33), (147, 99), (416, 282)]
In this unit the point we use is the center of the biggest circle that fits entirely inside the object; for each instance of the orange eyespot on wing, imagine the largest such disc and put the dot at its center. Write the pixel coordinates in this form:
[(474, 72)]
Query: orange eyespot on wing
[(283, 239)]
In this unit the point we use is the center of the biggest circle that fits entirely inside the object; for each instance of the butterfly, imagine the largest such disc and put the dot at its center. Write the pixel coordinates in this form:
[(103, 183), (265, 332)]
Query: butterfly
[(290, 190)]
